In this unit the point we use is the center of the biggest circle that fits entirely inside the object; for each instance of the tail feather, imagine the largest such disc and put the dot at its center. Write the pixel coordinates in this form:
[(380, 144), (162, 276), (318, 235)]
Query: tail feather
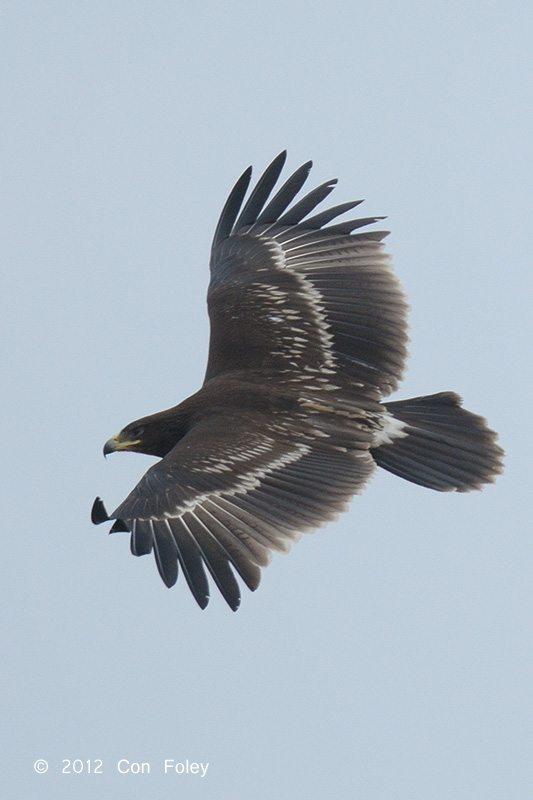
[(436, 443)]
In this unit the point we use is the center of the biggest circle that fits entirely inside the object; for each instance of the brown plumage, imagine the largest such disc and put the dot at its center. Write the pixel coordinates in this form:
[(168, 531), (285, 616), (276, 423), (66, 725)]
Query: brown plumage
[(308, 334)]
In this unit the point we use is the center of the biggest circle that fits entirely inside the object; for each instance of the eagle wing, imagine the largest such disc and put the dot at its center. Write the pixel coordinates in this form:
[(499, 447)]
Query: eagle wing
[(293, 299), (231, 491)]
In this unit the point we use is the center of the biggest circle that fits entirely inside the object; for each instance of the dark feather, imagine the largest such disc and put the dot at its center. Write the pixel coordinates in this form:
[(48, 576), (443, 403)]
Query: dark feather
[(321, 219), (304, 207), (261, 192), (231, 207), (98, 512), (286, 195), (119, 526)]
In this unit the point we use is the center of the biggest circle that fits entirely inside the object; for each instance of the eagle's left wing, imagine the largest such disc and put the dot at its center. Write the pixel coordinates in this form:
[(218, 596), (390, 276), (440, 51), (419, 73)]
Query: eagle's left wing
[(232, 490)]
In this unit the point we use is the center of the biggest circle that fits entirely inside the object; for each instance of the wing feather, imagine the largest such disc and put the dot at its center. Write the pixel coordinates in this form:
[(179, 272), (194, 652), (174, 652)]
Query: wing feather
[(232, 207), (279, 280), (165, 552), (216, 558), (228, 520), (304, 207), (285, 195), (321, 219), (141, 541), (190, 559), (261, 192)]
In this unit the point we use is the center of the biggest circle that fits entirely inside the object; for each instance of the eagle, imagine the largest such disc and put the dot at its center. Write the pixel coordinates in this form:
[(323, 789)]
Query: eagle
[(308, 335)]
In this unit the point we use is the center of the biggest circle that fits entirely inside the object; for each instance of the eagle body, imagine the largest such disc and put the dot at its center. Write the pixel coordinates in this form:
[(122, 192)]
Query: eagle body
[(308, 335)]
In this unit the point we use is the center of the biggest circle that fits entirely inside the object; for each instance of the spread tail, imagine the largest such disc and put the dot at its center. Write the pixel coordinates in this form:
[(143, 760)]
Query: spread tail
[(434, 442)]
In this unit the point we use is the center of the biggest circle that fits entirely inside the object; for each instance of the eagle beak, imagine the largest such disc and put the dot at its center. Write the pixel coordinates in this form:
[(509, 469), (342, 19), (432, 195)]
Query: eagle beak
[(111, 445), (116, 443)]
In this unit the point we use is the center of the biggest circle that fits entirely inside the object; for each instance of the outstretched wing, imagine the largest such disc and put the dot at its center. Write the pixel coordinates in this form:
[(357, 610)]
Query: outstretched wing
[(294, 299), (231, 491)]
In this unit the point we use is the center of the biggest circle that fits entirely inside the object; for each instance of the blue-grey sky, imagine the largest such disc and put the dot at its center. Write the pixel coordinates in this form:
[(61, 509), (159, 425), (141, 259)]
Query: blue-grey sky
[(389, 655)]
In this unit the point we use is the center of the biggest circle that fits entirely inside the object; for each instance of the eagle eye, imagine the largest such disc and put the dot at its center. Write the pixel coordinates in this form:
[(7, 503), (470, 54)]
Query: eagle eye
[(137, 431)]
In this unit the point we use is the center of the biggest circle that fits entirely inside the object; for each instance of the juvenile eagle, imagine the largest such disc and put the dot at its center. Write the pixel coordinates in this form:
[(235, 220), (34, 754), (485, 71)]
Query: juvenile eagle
[(308, 334)]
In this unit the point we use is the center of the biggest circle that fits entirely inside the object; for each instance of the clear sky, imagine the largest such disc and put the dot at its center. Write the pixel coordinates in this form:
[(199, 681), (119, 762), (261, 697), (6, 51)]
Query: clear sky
[(387, 657)]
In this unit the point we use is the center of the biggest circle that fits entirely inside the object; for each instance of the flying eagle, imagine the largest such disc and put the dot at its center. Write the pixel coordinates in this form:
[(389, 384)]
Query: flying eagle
[(308, 334)]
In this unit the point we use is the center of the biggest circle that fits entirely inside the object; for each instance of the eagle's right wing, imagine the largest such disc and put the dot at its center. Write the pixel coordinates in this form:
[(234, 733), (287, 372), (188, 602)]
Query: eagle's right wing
[(295, 300)]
